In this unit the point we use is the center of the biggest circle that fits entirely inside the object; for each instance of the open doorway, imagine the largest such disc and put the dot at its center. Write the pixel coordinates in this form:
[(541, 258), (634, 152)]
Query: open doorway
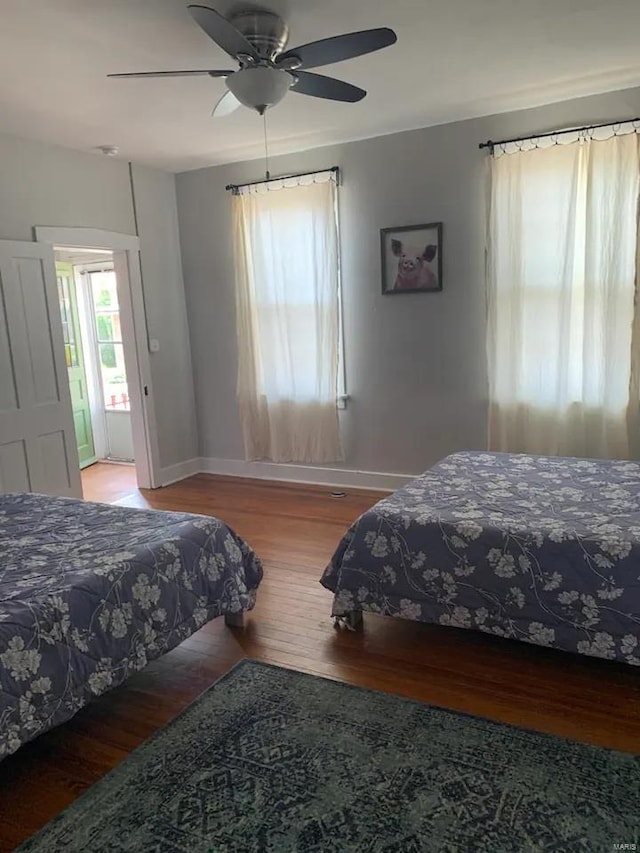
[(94, 251), (94, 352)]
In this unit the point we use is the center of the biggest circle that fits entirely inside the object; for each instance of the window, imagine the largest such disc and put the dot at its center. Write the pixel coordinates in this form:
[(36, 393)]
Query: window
[(104, 293), (287, 283), (290, 361), (562, 249)]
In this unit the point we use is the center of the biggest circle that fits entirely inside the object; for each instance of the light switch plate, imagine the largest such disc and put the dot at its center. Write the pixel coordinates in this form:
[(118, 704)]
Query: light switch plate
[(154, 345)]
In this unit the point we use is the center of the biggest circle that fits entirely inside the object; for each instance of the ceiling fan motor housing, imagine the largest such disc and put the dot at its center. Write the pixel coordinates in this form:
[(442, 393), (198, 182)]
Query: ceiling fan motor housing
[(266, 31)]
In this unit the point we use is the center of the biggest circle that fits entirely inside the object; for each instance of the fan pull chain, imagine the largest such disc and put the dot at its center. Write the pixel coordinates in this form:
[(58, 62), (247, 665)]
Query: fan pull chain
[(266, 147)]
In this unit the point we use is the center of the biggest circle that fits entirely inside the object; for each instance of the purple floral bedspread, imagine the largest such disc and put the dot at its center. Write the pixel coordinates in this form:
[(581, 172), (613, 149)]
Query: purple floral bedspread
[(540, 549), (89, 593)]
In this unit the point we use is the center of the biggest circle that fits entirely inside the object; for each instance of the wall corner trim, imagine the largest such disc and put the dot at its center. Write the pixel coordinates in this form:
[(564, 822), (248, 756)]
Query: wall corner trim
[(179, 471)]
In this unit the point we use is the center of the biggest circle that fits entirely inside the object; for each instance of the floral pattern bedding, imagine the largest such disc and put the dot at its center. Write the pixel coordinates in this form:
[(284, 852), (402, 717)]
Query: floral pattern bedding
[(540, 549), (89, 593)]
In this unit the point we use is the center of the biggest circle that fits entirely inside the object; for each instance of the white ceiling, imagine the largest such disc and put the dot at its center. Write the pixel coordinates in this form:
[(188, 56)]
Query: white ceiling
[(454, 59)]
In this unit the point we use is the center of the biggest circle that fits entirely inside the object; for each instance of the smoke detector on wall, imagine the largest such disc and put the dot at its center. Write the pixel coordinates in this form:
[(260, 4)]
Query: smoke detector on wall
[(108, 150)]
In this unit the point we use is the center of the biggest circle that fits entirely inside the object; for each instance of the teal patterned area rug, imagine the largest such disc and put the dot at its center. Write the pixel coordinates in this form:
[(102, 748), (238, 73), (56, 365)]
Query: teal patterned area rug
[(273, 760)]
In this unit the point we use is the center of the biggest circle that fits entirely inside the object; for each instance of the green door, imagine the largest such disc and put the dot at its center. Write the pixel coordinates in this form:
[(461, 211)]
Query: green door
[(75, 363)]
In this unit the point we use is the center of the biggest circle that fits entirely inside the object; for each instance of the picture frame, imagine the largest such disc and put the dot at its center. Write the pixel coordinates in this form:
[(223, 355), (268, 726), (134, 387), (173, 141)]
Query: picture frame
[(411, 258)]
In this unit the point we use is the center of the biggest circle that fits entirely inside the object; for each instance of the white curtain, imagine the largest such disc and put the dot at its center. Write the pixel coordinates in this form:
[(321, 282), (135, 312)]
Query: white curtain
[(561, 290), (287, 291)]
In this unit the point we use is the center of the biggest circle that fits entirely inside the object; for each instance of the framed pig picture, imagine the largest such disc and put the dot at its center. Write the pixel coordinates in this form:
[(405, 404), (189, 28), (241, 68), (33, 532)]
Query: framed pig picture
[(412, 258)]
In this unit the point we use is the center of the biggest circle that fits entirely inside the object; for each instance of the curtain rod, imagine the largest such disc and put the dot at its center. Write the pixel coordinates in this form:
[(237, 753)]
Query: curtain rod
[(236, 187), (491, 144)]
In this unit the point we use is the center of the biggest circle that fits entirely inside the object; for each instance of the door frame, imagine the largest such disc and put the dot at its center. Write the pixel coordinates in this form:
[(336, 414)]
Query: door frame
[(126, 262)]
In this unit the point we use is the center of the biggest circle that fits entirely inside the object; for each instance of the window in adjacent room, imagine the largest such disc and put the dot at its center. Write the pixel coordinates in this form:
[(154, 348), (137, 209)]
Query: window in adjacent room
[(288, 318), (106, 310)]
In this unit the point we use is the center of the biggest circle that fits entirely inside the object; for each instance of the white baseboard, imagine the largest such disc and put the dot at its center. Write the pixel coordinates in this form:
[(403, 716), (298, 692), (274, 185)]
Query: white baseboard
[(288, 473), (341, 477), (175, 473)]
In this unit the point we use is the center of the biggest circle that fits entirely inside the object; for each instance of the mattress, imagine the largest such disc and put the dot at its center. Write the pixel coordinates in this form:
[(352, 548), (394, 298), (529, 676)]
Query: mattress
[(540, 549), (89, 593)]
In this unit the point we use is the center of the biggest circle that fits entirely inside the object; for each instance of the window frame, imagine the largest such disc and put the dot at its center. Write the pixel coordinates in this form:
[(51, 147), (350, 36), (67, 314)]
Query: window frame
[(86, 271)]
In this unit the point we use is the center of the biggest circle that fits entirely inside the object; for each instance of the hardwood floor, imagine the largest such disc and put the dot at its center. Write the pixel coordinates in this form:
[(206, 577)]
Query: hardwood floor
[(295, 529), (108, 482)]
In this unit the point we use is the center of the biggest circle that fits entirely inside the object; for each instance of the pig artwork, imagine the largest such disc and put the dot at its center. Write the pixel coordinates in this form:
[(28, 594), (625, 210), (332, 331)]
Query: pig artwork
[(414, 267)]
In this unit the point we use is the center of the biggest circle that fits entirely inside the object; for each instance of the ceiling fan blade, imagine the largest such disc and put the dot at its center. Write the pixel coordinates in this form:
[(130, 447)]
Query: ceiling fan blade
[(227, 104), (347, 46), (320, 86), (223, 32), (173, 74)]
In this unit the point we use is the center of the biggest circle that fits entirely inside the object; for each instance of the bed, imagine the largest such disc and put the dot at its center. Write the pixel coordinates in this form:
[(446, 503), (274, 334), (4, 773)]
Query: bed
[(90, 593), (540, 549)]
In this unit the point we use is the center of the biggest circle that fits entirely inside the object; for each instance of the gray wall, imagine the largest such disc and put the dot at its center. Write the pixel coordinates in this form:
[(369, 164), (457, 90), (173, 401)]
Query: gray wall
[(45, 185), (166, 314), (415, 363)]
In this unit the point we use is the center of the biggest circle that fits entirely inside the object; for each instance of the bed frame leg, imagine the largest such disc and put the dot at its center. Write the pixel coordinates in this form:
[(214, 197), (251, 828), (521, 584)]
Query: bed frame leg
[(234, 620), (352, 620)]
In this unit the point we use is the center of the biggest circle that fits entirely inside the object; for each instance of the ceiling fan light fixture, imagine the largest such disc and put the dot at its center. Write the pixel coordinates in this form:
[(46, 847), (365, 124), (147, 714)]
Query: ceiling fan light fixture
[(260, 87)]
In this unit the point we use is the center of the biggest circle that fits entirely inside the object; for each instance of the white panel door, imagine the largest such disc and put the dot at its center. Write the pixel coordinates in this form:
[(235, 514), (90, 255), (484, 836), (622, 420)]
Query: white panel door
[(37, 439)]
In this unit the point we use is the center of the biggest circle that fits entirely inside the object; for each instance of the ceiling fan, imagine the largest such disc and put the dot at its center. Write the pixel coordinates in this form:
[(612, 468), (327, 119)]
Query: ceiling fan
[(257, 39)]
